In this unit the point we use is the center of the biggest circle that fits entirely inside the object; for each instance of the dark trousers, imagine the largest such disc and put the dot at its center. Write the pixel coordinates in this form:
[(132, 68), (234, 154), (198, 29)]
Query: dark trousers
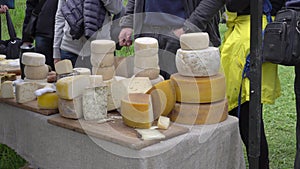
[(297, 94), (44, 46), (244, 131)]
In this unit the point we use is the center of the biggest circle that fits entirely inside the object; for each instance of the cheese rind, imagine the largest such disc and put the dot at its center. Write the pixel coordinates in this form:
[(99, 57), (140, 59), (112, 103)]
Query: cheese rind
[(146, 62), (7, 90), (145, 46), (63, 67), (102, 59), (25, 91), (103, 46), (48, 101), (71, 109), (36, 72), (33, 59), (194, 41), (106, 72)]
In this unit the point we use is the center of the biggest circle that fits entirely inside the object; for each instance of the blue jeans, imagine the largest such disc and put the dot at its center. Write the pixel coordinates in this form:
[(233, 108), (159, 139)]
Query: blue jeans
[(68, 55), (44, 46)]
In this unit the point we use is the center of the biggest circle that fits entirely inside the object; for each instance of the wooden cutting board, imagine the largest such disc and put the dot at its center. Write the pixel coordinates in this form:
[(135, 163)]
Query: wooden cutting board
[(114, 131), (31, 106)]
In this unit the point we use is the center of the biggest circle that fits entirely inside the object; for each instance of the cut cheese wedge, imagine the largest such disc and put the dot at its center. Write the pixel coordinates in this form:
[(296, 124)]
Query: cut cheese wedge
[(36, 72), (71, 109), (33, 59), (7, 90), (209, 113), (64, 66), (194, 41), (163, 122), (25, 91), (199, 89), (48, 101)]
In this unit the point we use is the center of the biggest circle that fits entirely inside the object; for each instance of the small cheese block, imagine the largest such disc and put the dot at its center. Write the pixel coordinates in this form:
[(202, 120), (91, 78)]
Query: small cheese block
[(145, 46), (163, 122), (200, 89), (2, 57), (198, 63), (7, 90), (146, 62), (106, 72), (36, 72), (35, 81), (152, 73), (136, 110), (63, 67), (72, 86), (96, 80), (113, 102), (157, 80), (82, 71), (103, 46), (71, 109), (192, 113), (25, 91), (33, 59), (102, 59), (163, 98), (150, 134), (194, 41), (94, 103), (48, 101)]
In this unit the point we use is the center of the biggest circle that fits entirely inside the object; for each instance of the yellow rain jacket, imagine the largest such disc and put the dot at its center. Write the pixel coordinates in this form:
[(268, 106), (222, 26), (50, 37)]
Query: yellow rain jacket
[(234, 50)]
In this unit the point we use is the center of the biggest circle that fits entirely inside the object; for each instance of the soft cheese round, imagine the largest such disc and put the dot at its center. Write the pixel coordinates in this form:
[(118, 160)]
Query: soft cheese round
[(194, 41), (102, 59), (36, 72), (106, 72), (145, 46), (152, 73), (103, 46), (146, 62), (33, 59)]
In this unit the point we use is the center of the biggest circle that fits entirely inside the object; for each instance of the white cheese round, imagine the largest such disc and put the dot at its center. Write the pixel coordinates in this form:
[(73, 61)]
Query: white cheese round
[(146, 62), (33, 59), (63, 67), (194, 41), (36, 72), (103, 46), (152, 73), (102, 59), (145, 46), (82, 71), (106, 72)]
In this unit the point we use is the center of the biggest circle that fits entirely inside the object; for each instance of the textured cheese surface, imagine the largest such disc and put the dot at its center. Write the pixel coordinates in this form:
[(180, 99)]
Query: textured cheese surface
[(63, 67), (198, 62), (136, 110), (71, 109), (33, 59), (82, 71), (194, 41), (163, 122), (152, 73), (157, 80), (94, 103), (163, 98), (48, 101), (103, 46), (208, 113), (36, 72), (25, 91), (145, 46), (35, 81), (7, 90), (106, 72), (102, 59), (71, 87), (200, 89), (96, 80), (146, 62), (138, 84)]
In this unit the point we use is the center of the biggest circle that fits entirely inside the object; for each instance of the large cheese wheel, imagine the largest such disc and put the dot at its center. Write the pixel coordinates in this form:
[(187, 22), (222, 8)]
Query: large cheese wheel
[(71, 109), (163, 98), (198, 62), (36, 72), (136, 110), (145, 46), (33, 59), (48, 101), (193, 113), (82, 71), (63, 67), (152, 73), (194, 41), (200, 89), (102, 59), (146, 62), (106, 72), (103, 46)]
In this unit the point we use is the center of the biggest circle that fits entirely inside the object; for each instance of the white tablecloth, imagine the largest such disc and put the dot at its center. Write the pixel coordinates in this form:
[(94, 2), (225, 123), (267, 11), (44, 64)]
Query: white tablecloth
[(47, 146)]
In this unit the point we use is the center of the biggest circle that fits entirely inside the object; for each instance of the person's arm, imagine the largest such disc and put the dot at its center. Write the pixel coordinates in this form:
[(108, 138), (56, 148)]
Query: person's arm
[(126, 23), (30, 5), (58, 31), (113, 7)]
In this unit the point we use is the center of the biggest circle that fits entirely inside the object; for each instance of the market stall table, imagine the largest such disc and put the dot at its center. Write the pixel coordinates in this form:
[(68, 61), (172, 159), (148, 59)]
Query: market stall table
[(47, 146)]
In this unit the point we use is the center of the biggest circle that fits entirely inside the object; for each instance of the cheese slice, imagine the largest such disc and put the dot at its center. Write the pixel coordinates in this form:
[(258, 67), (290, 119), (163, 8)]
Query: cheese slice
[(200, 89), (33, 59), (146, 62), (63, 67), (145, 46), (198, 62), (94, 102), (208, 113), (71, 109), (48, 101), (102, 59), (7, 90), (163, 122), (136, 110), (25, 91), (194, 41), (152, 73), (106, 72), (72, 86), (103, 46), (150, 134), (36, 72), (82, 71)]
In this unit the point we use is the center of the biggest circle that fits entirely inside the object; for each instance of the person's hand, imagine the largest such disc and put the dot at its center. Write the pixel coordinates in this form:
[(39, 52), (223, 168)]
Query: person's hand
[(56, 60), (26, 44), (3, 8), (178, 32), (125, 37)]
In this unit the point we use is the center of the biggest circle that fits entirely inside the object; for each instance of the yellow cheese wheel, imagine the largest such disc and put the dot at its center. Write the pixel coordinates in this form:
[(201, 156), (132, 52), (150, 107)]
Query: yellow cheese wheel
[(48, 101), (199, 89), (163, 97), (207, 113)]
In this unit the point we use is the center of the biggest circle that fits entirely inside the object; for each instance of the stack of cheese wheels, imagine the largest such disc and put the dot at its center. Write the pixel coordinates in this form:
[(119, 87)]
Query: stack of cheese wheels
[(35, 69), (102, 58), (146, 59), (200, 88)]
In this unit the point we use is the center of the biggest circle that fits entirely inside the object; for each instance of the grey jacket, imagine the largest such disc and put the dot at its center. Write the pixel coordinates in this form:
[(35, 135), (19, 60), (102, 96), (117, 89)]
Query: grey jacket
[(203, 16)]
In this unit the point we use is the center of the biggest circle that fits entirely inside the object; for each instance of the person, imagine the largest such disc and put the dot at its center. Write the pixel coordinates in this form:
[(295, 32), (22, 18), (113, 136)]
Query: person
[(3, 8), (166, 21), (234, 50)]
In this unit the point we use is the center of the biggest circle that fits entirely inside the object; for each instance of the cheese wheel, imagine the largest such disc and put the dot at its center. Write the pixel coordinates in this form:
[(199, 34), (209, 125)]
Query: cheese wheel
[(200, 89), (102, 59), (198, 63), (146, 62), (82, 71), (136, 110), (103, 46), (106, 72), (25, 91), (35, 81), (157, 80), (33, 59), (48, 101), (71, 109), (145, 46), (72, 86), (138, 84), (194, 41), (152, 73), (163, 98), (7, 90), (163, 122), (193, 113), (63, 67), (36, 72)]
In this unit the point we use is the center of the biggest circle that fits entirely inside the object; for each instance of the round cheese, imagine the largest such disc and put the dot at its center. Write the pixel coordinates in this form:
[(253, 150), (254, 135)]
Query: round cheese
[(48, 101), (82, 71), (198, 62), (106, 72), (194, 41), (193, 113), (103, 46), (64, 67), (200, 89), (146, 62), (33, 59), (36, 72), (152, 73), (160, 78), (35, 81), (145, 46), (102, 59)]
